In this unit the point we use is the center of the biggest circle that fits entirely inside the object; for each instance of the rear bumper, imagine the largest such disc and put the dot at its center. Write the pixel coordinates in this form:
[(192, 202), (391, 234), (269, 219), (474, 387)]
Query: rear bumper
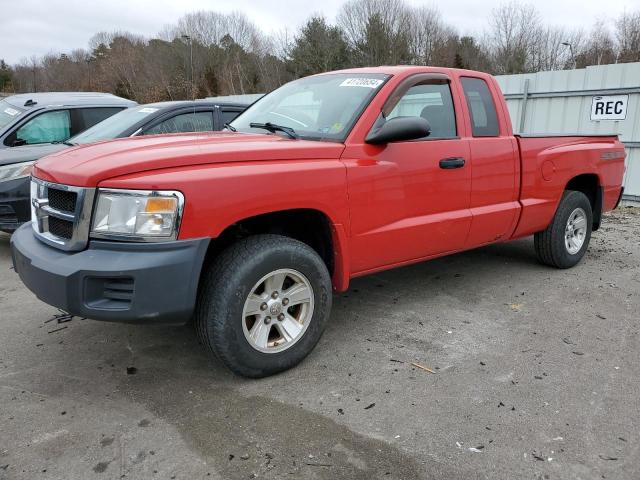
[(14, 204), (113, 281)]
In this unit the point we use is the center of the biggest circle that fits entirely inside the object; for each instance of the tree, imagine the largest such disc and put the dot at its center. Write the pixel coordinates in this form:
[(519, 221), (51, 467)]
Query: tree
[(428, 36), (514, 34), (628, 36), (5, 76), (470, 55), (318, 48), (232, 55), (376, 31), (599, 49)]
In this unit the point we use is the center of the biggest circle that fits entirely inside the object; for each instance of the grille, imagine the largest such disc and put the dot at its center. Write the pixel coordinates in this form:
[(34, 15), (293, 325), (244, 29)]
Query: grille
[(61, 214), (60, 228), (62, 200)]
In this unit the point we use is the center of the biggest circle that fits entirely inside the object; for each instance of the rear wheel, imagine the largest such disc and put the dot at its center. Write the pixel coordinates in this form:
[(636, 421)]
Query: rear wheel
[(565, 241), (263, 304)]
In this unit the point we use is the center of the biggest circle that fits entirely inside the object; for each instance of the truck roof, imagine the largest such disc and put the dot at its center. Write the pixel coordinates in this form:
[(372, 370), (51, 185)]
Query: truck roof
[(67, 99), (408, 69)]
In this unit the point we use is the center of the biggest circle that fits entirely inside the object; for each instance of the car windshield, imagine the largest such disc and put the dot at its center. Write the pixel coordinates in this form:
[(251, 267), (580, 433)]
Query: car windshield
[(114, 126), (8, 113), (323, 107)]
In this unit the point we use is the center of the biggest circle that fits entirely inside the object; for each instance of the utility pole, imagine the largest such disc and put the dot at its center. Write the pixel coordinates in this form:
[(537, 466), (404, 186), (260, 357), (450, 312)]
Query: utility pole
[(190, 40)]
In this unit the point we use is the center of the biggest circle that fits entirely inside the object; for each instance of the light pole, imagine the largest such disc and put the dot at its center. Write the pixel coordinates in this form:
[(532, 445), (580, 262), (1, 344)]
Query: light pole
[(573, 57), (188, 39)]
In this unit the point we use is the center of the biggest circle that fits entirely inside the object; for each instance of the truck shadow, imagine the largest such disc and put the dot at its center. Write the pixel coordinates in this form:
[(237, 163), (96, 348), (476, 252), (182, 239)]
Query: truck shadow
[(461, 276)]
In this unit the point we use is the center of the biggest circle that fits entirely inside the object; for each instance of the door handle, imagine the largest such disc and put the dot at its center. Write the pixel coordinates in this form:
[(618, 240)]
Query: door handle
[(449, 163)]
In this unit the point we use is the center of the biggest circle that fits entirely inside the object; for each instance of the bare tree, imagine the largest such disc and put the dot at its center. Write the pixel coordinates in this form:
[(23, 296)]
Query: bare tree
[(628, 36), (515, 32), (599, 48), (428, 35), (555, 49), (209, 28), (376, 30)]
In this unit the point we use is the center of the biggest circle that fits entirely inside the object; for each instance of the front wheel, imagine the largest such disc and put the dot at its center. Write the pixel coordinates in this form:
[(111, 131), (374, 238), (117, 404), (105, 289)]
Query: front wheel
[(263, 304), (565, 241)]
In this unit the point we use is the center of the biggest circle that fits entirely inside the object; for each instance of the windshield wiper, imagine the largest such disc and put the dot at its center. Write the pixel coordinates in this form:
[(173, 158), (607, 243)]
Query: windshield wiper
[(272, 127), (228, 126)]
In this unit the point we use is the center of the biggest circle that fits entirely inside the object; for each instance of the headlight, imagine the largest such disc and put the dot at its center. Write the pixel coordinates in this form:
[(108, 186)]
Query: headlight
[(137, 214), (15, 171)]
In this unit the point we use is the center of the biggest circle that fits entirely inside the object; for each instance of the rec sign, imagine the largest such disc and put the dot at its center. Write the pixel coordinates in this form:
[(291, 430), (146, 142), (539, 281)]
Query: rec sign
[(611, 107)]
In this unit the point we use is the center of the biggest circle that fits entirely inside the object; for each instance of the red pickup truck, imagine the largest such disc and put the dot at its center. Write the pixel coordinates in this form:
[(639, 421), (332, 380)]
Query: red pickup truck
[(248, 231)]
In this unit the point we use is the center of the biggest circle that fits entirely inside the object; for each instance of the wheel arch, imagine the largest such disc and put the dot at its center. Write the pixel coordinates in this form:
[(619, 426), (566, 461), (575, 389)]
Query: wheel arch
[(308, 225), (590, 185)]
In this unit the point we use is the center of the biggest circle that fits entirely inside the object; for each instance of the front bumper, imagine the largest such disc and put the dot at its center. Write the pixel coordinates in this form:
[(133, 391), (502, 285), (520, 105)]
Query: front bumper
[(113, 281), (14, 204)]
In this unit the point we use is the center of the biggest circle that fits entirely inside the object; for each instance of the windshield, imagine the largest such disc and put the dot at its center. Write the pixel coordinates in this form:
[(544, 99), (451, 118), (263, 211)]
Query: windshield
[(323, 107), (114, 126), (8, 113)]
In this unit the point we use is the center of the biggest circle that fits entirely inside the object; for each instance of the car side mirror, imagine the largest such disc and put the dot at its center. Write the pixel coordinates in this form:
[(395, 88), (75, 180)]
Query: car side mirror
[(398, 129), (18, 142)]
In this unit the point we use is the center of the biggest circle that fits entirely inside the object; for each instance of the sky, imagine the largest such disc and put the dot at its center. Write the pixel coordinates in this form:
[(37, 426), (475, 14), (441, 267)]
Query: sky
[(29, 27)]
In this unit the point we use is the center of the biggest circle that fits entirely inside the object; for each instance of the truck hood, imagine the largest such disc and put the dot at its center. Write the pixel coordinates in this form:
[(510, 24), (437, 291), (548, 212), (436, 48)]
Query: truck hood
[(88, 165), (28, 153)]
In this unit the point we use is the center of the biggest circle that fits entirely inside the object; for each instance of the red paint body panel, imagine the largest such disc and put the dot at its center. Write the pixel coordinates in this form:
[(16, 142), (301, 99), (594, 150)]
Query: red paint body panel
[(388, 205), (87, 165), (564, 159)]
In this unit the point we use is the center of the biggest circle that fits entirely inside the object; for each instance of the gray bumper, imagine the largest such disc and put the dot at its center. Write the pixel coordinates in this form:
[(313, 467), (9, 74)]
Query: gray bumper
[(113, 281)]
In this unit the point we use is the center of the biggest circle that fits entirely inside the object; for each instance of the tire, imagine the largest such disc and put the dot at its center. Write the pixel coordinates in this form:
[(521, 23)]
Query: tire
[(224, 302), (552, 246)]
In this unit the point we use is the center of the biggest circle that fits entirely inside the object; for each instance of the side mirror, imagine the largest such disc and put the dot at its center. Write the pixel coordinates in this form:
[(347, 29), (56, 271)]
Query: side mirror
[(398, 129), (18, 142)]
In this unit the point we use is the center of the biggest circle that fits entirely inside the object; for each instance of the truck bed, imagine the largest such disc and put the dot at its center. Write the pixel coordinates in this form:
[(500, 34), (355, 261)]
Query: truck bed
[(549, 162)]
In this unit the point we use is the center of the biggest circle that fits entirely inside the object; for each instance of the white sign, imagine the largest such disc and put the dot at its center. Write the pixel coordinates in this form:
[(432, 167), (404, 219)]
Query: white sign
[(362, 82), (610, 107)]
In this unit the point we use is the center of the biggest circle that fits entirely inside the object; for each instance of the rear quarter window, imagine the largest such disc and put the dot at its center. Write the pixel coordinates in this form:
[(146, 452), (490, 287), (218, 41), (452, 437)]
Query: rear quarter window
[(484, 119)]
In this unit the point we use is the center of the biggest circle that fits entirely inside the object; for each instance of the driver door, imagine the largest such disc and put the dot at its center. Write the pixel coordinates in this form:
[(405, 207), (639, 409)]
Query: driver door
[(410, 199)]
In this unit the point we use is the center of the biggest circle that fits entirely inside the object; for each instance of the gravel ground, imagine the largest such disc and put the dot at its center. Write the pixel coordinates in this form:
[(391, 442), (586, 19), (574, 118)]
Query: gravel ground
[(537, 375)]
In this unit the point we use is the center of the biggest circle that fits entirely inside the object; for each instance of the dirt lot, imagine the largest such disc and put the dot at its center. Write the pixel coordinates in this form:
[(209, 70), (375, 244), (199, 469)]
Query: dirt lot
[(537, 375)]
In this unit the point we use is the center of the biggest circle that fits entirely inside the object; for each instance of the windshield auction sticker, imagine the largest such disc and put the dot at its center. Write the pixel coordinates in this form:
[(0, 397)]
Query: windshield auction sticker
[(11, 111), (362, 82)]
